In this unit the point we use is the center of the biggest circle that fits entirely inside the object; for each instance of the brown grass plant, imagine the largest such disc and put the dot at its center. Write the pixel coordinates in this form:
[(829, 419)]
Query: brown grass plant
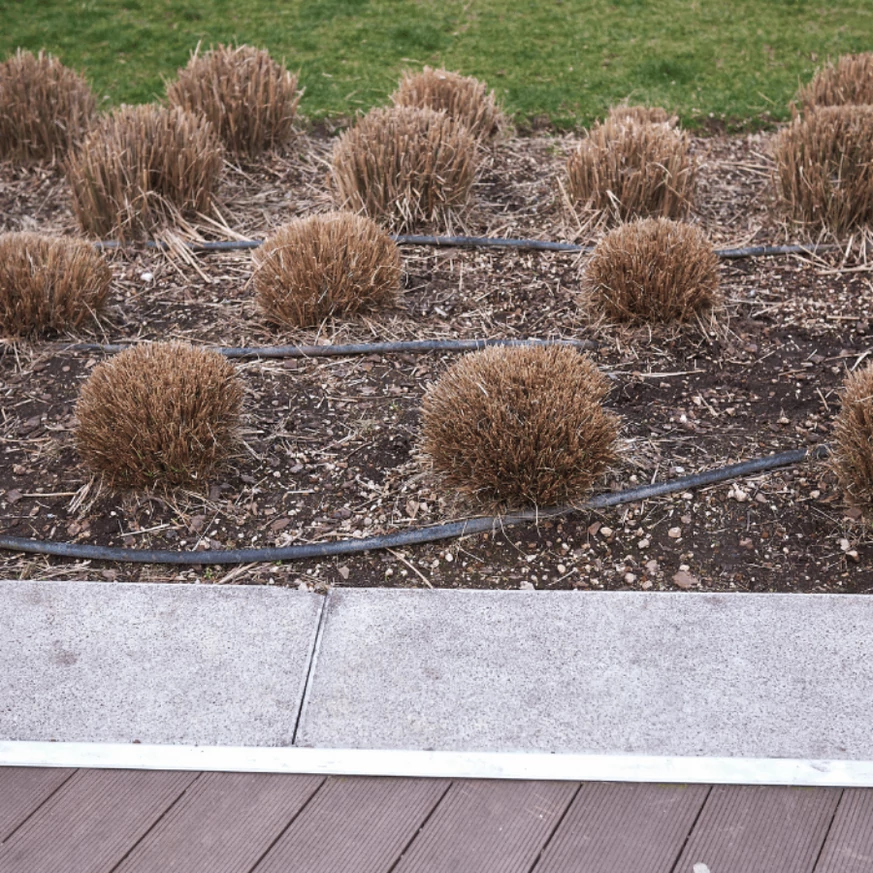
[(142, 167), (463, 98), (325, 265), (652, 270), (508, 428), (641, 115), (49, 283), (824, 168), (848, 81), (159, 414), (250, 98), (405, 166), (45, 108), (852, 444), (629, 168)]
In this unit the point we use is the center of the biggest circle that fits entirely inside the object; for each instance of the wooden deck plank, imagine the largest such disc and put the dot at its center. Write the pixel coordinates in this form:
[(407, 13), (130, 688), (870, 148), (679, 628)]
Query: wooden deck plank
[(22, 790), (223, 824), (359, 824), (91, 823), (613, 826), (487, 826), (760, 829), (849, 844)]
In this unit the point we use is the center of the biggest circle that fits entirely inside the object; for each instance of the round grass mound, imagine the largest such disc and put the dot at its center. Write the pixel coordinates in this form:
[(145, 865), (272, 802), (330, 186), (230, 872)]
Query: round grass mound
[(463, 98), (405, 166), (852, 445), (848, 81), (45, 108), (158, 414), (325, 265), (630, 168), (509, 428), (824, 168), (652, 270), (143, 167), (250, 99), (49, 283)]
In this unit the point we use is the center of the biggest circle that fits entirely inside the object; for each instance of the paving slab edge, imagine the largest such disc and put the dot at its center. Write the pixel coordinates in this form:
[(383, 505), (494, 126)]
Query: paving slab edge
[(454, 765)]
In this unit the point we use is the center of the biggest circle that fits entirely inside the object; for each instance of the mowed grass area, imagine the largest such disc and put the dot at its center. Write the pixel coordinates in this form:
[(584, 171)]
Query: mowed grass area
[(564, 61)]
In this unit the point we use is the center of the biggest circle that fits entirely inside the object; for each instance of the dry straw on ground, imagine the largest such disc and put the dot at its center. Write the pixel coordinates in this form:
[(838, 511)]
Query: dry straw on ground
[(45, 107), (142, 167), (325, 265), (159, 414), (852, 445), (824, 167), (463, 98), (848, 81), (250, 99), (49, 283), (405, 166), (652, 270), (641, 115), (514, 427), (629, 169)]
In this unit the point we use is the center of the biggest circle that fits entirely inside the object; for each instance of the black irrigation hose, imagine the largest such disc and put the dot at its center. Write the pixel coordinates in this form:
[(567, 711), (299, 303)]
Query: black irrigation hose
[(404, 538), (414, 346), (482, 241)]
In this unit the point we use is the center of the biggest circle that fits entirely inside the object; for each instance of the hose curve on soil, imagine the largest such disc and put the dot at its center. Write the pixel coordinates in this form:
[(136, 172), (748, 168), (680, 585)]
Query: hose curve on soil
[(430, 534)]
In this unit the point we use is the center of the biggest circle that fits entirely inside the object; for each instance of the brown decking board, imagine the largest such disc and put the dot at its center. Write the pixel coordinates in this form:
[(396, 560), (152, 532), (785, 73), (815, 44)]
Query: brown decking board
[(92, 821), (222, 824), (484, 826), (22, 791), (613, 827), (760, 829), (359, 824), (849, 844)]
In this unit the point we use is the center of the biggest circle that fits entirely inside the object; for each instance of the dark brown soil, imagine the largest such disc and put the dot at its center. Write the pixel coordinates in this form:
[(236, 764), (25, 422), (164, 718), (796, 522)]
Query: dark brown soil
[(330, 443)]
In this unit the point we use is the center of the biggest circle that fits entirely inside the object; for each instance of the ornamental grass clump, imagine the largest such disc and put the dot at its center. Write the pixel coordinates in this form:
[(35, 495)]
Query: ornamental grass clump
[(463, 98), (325, 265), (509, 428), (824, 168), (143, 167), (405, 166), (629, 168), (652, 270), (49, 283), (45, 108), (852, 446), (641, 115), (250, 99), (159, 414), (848, 81)]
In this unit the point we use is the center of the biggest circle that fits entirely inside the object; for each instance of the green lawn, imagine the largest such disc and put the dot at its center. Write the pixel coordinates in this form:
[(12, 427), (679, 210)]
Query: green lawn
[(568, 60)]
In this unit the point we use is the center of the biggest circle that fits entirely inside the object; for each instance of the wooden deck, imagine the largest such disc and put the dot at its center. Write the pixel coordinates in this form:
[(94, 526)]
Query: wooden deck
[(122, 821)]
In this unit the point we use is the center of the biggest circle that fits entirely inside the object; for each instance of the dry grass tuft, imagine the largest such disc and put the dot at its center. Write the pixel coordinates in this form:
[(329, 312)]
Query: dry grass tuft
[(250, 99), (852, 446), (324, 265), (405, 166), (463, 98), (45, 108), (624, 114), (632, 169), (514, 427), (849, 81), (159, 414), (824, 167), (49, 283), (652, 270), (141, 167)]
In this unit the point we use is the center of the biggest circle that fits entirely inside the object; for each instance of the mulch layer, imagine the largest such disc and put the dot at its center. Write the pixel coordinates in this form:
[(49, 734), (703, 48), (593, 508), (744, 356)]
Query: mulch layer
[(330, 444)]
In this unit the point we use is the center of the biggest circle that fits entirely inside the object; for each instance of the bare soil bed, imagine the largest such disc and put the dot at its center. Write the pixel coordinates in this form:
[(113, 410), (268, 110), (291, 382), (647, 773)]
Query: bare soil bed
[(330, 443)]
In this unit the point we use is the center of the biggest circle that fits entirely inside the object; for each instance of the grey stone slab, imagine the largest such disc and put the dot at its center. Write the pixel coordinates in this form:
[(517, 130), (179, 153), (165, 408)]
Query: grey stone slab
[(603, 672), (103, 662)]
